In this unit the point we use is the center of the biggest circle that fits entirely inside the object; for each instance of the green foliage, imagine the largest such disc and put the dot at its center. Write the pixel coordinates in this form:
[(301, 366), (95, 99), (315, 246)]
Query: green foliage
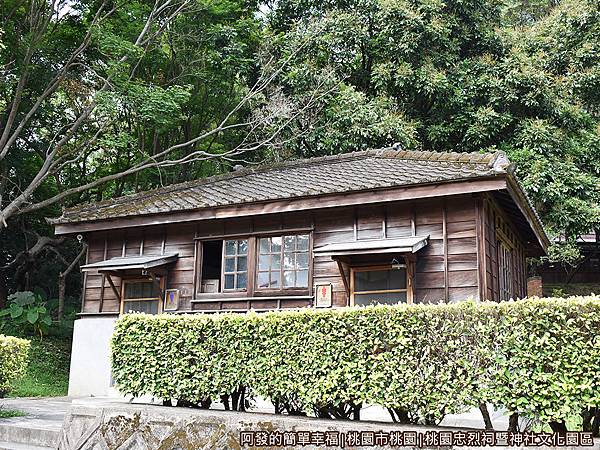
[(474, 75), (7, 413), (526, 12), (165, 91), (27, 311), (47, 373), (537, 357), (547, 360), (565, 252), (13, 361)]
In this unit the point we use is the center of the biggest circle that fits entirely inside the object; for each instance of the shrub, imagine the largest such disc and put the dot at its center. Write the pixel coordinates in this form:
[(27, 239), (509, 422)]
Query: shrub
[(536, 357), (27, 311), (13, 361), (546, 357)]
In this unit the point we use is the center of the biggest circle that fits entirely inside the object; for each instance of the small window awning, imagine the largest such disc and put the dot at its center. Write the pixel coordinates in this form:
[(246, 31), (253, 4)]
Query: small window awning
[(130, 262), (399, 245)]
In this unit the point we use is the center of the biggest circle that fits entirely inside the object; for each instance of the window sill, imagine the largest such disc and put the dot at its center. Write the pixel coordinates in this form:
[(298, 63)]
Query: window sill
[(221, 298)]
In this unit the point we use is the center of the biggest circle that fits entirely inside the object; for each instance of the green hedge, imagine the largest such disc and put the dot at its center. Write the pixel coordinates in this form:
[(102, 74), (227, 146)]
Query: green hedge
[(13, 361), (536, 357)]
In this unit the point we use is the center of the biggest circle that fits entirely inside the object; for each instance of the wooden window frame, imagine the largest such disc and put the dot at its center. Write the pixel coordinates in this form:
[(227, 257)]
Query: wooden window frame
[(505, 277), (380, 267), (236, 272), (125, 281), (252, 269), (290, 289)]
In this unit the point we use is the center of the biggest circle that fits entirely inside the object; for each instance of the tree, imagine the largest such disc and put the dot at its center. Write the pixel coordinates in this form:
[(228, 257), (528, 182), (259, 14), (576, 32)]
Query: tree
[(102, 98), (453, 76)]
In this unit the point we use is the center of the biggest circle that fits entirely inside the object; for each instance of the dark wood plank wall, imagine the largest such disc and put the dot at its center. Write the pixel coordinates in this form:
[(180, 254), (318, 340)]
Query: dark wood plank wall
[(446, 269), (495, 219)]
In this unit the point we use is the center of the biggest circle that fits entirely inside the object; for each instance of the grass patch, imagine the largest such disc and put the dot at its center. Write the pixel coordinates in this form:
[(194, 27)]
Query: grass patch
[(7, 413), (48, 370)]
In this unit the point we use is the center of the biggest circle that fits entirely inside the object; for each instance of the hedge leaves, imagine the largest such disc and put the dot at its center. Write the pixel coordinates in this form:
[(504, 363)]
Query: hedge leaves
[(537, 357), (13, 361)]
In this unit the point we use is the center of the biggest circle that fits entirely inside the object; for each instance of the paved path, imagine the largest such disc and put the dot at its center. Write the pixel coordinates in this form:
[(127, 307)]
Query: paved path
[(50, 412), (41, 427), (41, 412)]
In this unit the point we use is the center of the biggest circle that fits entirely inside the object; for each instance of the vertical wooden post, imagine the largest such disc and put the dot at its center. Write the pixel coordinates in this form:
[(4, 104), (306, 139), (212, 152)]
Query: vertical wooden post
[(196, 271), (481, 247), (87, 259), (445, 237), (101, 302)]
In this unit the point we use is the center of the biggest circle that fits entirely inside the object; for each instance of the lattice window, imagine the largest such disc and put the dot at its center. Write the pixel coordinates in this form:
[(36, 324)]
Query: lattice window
[(141, 296), (506, 272), (235, 264), (283, 262)]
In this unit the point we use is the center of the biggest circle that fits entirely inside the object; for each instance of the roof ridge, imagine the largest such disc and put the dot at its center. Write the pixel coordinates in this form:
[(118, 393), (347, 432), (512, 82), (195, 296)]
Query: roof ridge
[(393, 152)]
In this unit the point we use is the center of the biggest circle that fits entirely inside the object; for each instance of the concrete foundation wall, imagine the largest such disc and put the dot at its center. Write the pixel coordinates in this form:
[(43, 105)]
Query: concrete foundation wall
[(118, 426), (90, 357)]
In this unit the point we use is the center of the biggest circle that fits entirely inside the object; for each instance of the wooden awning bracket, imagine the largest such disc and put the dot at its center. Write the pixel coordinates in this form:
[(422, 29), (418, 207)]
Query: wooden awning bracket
[(156, 281), (112, 286), (345, 278)]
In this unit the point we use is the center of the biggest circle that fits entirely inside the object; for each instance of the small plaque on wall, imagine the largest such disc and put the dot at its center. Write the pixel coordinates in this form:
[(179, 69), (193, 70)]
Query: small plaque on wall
[(171, 299), (323, 295)]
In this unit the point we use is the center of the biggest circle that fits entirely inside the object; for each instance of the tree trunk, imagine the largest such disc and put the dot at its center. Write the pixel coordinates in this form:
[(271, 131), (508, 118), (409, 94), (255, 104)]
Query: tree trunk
[(596, 424), (62, 282), (3, 290), (586, 416), (486, 416), (513, 422), (62, 277), (399, 415), (356, 412), (558, 427), (225, 401)]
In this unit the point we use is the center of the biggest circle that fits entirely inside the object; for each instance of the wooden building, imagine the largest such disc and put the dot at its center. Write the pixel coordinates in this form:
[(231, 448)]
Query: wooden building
[(581, 279), (378, 226), (403, 226)]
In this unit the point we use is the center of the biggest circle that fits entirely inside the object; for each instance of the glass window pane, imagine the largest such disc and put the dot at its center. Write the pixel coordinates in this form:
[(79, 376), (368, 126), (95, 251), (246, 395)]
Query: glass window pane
[(275, 279), (241, 280), (242, 264), (302, 278), (275, 244), (264, 245), (230, 264), (302, 242), (263, 279), (390, 298), (230, 247), (229, 281), (146, 290), (148, 307), (288, 260), (276, 261), (130, 290), (302, 260), (263, 262), (288, 279), (289, 243), (242, 247), (141, 289), (380, 280)]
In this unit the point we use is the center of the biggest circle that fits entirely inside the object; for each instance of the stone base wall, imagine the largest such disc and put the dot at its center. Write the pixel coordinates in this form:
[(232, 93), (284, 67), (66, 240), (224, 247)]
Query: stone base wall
[(117, 426)]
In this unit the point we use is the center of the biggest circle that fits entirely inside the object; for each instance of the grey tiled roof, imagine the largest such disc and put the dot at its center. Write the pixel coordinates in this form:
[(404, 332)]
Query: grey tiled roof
[(358, 171)]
